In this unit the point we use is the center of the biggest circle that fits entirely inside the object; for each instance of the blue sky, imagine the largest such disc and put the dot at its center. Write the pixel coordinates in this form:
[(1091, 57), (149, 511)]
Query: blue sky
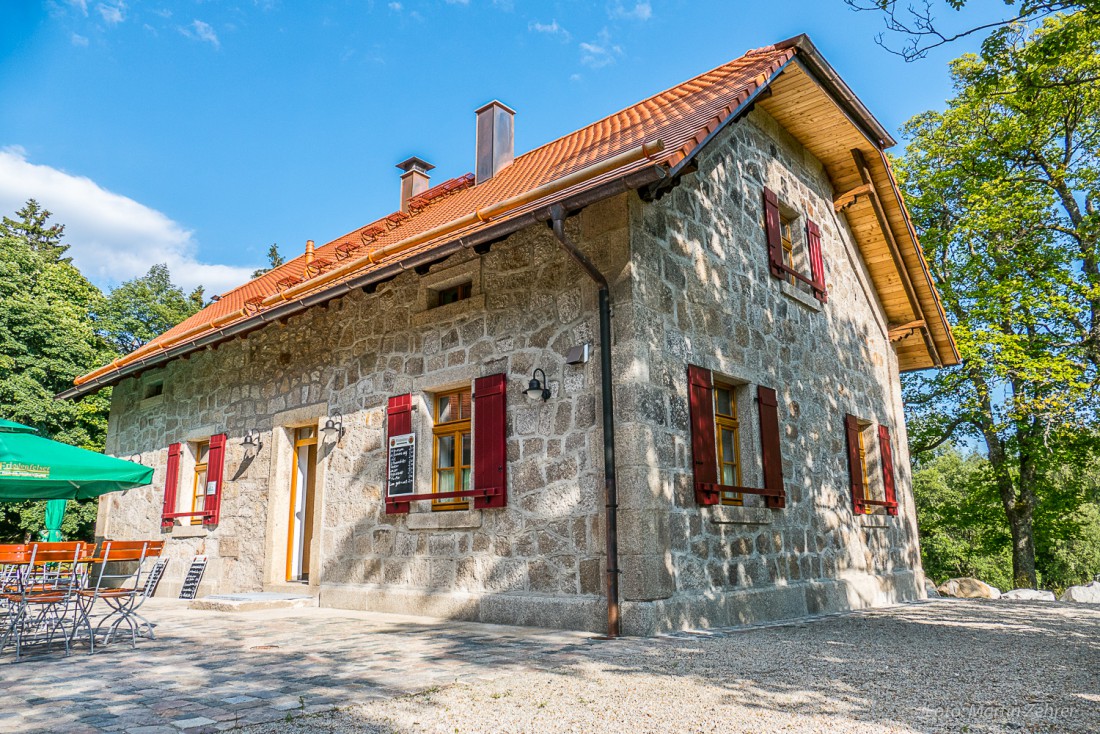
[(199, 132)]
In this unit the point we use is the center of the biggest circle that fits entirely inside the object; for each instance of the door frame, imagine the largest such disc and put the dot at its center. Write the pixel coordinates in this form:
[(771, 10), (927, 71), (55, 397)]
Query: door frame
[(296, 445)]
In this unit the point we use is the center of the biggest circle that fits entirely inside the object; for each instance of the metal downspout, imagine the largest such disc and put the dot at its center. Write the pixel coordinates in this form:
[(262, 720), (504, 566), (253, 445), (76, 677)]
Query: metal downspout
[(557, 222)]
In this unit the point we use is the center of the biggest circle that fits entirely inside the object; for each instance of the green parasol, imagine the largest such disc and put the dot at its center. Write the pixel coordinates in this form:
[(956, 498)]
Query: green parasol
[(35, 468)]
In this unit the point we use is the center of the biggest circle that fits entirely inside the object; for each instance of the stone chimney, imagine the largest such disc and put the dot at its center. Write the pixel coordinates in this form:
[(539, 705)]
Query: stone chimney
[(496, 143), (414, 180)]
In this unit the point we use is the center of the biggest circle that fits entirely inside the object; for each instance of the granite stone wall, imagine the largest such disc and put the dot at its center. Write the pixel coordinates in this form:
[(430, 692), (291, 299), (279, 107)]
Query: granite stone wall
[(690, 286), (703, 295), (537, 561)]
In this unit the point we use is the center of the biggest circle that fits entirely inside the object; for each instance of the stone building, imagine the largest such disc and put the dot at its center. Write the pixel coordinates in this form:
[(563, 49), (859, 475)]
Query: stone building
[(411, 418)]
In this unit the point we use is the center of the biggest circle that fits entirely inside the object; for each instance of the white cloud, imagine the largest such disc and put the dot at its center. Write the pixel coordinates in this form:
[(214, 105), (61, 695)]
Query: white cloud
[(396, 7), (551, 29), (113, 237), (112, 14), (640, 11), (458, 2), (81, 5), (600, 52), (79, 40), (203, 32)]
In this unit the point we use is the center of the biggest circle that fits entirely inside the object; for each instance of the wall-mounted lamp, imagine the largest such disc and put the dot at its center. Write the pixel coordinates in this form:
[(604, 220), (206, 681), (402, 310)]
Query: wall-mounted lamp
[(536, 389), (333, 428), (252, 442)]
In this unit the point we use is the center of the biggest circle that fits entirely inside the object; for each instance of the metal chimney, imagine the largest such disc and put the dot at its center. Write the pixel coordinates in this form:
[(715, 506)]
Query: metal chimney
[(496, 143), (414, 180)]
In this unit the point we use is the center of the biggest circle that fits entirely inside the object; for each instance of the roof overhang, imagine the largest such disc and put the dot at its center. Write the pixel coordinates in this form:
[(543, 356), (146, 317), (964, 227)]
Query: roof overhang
[(815, 106), (828, 119)]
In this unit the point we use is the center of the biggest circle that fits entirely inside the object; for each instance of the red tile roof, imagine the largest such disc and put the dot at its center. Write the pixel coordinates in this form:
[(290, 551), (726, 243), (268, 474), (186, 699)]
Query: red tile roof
[(683, 117)]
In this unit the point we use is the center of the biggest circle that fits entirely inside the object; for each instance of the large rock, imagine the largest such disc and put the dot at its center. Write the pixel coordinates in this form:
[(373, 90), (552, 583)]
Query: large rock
[(1029, 595), (930, 589), (968, 588), (1087, 594)]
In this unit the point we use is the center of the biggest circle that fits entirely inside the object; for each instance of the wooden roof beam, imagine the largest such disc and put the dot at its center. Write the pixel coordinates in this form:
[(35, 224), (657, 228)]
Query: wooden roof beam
[(897, 332), (895, 254), (848, 198)]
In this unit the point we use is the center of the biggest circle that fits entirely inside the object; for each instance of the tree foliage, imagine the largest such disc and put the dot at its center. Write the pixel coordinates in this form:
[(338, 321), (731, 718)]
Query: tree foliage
[(1003, 187), (54, 326), (274, 260), (47, 336), (964, 531), (140, 309)]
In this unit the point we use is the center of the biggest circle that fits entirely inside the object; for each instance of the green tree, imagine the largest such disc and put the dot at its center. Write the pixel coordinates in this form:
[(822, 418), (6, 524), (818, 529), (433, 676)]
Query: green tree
[(274, 260), (47, 336), (964, 531), (140, 309), (1003, 189)]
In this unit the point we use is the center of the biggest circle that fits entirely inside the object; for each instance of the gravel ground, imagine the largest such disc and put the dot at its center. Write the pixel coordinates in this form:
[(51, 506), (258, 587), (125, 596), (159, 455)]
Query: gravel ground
[(943, 666)]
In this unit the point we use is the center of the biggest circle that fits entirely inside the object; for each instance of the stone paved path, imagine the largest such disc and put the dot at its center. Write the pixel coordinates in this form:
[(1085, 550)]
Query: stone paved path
[(213, 671)]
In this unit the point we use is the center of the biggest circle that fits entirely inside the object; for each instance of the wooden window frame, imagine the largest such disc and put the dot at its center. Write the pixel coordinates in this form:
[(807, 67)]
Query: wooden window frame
[(202, 466), (779, 234), (731, 423), (786, 239), (461, 430), (462, 292)]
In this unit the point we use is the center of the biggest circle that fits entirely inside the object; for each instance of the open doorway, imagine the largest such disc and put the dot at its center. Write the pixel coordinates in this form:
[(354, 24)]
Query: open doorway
[(303, 479)]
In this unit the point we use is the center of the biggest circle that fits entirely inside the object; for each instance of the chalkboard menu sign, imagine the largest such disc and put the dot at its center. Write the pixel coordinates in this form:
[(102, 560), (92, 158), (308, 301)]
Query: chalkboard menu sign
[(402, 475), (194, 576)]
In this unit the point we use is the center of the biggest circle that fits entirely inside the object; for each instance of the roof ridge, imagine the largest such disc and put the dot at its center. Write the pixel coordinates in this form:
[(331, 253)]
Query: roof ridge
[(639, 103)]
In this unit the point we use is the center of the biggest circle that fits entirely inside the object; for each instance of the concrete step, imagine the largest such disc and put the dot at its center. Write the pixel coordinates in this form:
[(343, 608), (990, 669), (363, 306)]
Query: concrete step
[(253, 601)]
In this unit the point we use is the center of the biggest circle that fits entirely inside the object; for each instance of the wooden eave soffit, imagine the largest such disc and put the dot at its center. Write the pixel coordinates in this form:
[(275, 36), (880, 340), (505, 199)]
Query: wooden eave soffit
[(919, 322)]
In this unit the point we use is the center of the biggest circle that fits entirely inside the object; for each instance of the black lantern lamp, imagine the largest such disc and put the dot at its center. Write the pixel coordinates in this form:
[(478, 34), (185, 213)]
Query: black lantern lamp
[(334, 428), (536, 389), (251, 442)]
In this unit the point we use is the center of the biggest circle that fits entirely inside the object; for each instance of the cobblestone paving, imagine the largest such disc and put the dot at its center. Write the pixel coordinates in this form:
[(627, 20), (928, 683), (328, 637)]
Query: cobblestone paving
[(214, 671)]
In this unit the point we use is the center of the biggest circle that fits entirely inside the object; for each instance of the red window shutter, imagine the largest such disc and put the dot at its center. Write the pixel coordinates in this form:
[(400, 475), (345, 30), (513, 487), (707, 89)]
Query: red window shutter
[(215, 465), (771, 229), (772, 459), (171, 484), (817, 262), (888, 470), (704, 452), (855, 467), (490, 441), (398, 423)]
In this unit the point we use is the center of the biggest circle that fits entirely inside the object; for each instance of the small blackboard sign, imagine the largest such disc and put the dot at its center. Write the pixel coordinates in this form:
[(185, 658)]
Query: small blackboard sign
[(153, 578), (402, 475), (194, 576)]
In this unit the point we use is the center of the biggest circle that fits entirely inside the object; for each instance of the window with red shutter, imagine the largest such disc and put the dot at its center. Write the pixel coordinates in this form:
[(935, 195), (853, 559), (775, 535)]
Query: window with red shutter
[(398, 423), (857, 466), (887, 455), (772, 229), (215, 466), (770, 454), (490, 442), (704, 450), (171, 484), (778, 231), (817, 261), (703, 454)]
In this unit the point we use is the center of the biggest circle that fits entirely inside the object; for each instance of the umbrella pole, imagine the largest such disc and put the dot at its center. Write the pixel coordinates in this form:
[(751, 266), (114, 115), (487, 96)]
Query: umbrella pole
[(55, 513)]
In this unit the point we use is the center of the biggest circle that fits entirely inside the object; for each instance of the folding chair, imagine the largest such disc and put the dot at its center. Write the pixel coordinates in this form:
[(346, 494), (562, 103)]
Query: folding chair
[(123, 592), (46, 600)]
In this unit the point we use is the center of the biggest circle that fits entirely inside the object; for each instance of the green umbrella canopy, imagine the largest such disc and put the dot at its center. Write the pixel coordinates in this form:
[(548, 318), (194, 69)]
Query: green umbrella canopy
[(35, 468)]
